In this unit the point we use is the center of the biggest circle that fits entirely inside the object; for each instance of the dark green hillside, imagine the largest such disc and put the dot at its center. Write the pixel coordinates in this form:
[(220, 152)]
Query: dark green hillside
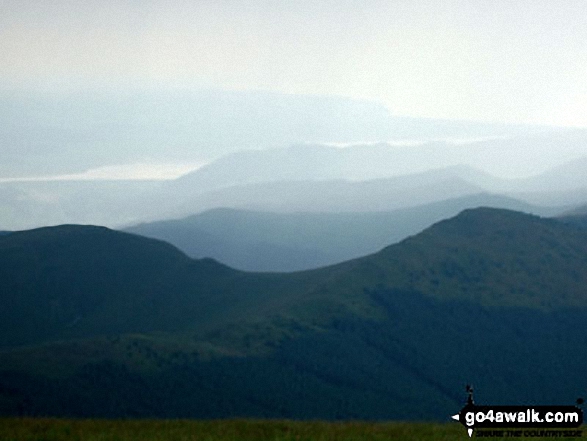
[(411, 364), (495, 257), (81, 281), (491, 297)]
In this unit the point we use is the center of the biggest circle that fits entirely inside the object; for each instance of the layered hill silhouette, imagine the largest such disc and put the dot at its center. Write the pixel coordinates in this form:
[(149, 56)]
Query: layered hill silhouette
[(271, 241), (328, 195), (376, 177), (103, 323), (182, 125), (478, 160), (319, 178)]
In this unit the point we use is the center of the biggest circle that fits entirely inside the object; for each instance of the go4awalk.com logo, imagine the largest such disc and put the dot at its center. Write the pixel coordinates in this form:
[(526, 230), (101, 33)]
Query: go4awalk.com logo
[(520, 421)]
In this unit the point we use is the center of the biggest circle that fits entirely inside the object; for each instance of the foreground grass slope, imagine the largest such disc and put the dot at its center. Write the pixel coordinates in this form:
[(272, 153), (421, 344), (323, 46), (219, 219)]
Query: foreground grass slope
[(226, 430)]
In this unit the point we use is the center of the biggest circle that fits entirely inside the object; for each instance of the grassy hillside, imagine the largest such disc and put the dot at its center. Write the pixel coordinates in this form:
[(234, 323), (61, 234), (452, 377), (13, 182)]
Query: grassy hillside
[(77, 281), (82, 281), (496, 257), (226, 430), (491, 297)]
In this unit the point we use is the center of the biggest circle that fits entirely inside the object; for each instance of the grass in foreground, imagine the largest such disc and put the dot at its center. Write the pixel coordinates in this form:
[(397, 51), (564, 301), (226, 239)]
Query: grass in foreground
[(49, 429)]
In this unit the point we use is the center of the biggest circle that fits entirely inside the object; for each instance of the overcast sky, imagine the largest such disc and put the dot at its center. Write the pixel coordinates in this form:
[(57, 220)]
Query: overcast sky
[(495, 60)]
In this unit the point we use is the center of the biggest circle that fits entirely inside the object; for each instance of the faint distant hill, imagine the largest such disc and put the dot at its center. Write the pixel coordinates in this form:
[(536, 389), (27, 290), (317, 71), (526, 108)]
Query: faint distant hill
[(330, 195), (99, 323), (565, 184), (568, 176), (269, 241), (169, 125), (32, 204), (508, 155), (316, 177), (578, 216), (381, 176), (115, 203), (362, 162), (192, 126), (579, 211)]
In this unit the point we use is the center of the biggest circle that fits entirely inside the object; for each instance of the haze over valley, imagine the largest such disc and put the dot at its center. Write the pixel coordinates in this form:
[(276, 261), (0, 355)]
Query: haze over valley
[(544, 167)]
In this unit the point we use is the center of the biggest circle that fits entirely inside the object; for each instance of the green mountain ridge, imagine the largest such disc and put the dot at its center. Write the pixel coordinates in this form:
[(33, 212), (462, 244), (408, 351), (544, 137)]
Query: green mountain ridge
[(491, 297), (496, 257), (84, 281), (87, 275)]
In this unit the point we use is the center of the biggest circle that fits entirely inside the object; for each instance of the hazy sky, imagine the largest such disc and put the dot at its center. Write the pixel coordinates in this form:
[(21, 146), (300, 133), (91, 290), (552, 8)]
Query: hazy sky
[(494, 60)]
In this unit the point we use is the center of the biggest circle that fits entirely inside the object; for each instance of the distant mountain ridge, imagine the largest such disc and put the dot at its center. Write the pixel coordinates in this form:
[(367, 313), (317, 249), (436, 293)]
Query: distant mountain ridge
[(271, 241), (177, 125), (362, 162), (330, 195), (319, 177), (368, 177), (103, 323)]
